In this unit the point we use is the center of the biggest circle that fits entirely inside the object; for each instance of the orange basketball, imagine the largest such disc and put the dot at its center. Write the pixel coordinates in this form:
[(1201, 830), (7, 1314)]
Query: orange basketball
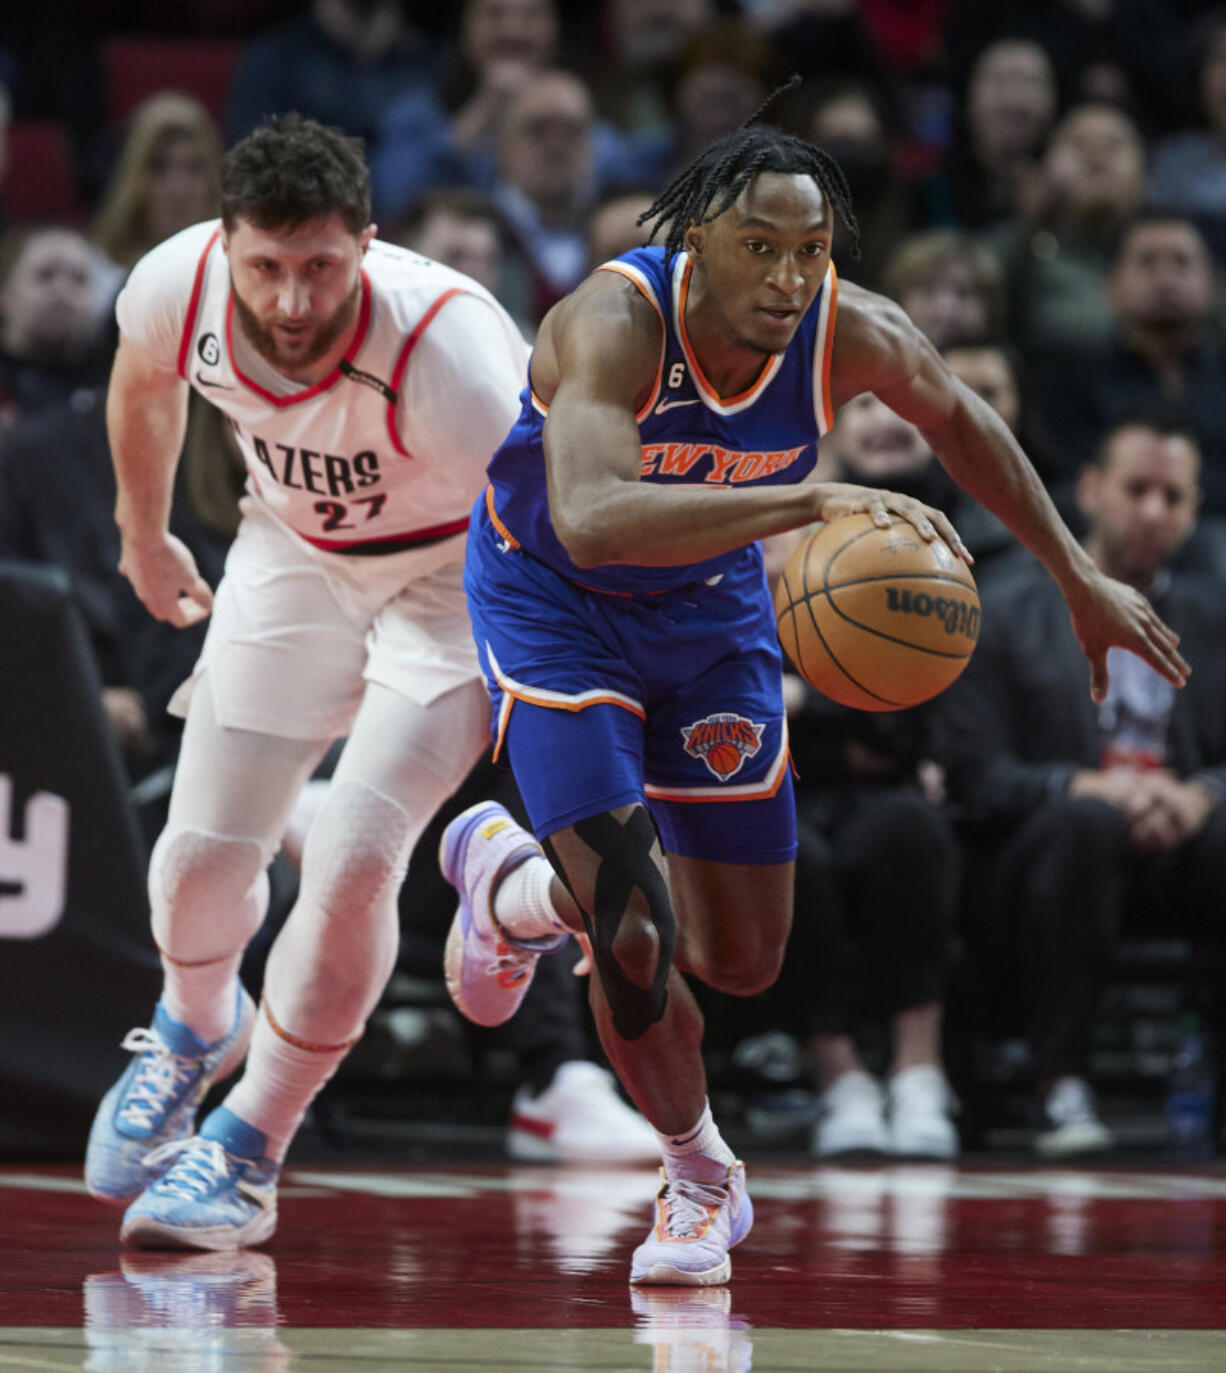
[(876, 618)]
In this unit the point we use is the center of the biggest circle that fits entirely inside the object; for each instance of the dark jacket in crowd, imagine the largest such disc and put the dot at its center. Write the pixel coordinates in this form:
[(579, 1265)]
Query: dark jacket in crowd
[(1019, 722), (1084, 394)]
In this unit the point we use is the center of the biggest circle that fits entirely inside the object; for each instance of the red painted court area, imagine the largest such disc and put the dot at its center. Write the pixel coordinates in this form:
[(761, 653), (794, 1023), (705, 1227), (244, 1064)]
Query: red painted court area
[(470, 1252)]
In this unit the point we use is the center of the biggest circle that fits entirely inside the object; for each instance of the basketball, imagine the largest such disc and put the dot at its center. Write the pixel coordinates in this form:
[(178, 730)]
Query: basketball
[(876, 618)]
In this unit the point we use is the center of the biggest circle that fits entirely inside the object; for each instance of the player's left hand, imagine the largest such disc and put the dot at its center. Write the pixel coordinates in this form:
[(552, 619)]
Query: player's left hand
[(1113, 614)]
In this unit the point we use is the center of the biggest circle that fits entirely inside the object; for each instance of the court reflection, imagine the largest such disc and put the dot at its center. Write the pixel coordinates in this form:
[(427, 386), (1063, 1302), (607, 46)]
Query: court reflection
[(585, 1217), (691, 1329), (165, 1312)]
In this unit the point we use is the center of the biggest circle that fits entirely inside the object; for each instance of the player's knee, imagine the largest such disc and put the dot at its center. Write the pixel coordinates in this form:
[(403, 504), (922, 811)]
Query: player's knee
[(636, 946), (631, 922), (194, 875), (356, 851), (633, 959), (742, 972)]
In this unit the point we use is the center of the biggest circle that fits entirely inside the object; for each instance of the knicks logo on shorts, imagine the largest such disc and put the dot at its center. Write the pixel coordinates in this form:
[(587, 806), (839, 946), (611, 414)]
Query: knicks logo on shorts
[(723, 741)]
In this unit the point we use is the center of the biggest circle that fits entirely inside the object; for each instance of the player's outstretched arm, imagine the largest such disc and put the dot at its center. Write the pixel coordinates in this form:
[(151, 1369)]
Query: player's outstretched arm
[(878, 349), (146, 416)]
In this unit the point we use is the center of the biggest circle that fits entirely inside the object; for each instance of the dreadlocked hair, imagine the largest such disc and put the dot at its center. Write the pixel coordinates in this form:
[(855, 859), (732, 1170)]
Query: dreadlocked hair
[(713, 180)]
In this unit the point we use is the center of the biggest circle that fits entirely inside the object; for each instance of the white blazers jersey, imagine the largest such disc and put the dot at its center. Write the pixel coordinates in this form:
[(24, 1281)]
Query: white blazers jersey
[(374, 457)]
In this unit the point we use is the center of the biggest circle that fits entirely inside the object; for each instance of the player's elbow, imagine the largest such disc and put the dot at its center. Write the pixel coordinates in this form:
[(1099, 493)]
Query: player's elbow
[(582, 532), (582, 541)]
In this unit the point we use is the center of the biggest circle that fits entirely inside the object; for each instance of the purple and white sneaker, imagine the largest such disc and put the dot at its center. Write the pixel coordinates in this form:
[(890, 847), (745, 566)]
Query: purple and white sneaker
[(487, 971), (696, 1224)]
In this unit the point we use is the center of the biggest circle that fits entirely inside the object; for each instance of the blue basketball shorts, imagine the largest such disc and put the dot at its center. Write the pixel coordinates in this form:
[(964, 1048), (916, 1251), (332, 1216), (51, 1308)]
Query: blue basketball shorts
[(601, 701)]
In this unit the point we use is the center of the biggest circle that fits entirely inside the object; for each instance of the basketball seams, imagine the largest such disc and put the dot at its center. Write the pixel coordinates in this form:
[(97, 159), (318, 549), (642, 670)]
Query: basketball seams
[(821, 583), (830, 653), (899, 577), (790, 608), (807, 602), (838, 552)]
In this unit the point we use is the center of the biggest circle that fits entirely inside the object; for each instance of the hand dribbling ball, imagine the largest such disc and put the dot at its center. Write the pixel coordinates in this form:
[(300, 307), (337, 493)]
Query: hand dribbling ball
[(876, 618)]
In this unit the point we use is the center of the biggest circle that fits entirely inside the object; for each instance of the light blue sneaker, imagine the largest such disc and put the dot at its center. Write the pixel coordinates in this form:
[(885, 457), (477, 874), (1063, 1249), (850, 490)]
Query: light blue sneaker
[(487, 971), (219, 1192), (156, 1100)]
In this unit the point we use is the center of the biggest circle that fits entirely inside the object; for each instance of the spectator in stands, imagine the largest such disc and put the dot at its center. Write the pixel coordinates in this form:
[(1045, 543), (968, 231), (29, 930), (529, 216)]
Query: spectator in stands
[(446, 133), (817, 37), (343, 62), (950, 285), (637, 52), (56, 494), (1087, 184), (1188, 170), (57, 497), (167, 177), (53, 342), (720, 81), (1163, 296), (547, 184), (1125, 52), (1086, 820), (459, 228), (867, 809), (994, 372), (613, 226), (465, 230), (1007, 110), (849, 119)]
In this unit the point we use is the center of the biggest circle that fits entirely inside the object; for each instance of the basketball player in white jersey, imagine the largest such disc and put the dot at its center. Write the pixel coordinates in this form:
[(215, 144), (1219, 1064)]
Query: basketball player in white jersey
[(367, 387)]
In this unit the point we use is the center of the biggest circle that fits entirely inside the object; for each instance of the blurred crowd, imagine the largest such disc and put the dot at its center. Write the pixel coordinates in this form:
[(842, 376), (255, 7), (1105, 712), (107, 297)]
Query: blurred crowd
[(1041, 184)]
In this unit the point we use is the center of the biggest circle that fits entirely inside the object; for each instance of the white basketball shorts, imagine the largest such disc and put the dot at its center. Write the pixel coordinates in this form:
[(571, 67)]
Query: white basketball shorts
[(296, 632)]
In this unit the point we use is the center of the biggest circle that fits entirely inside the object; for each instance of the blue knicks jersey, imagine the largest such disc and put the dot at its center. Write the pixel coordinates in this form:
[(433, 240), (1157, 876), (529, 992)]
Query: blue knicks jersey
[(766, 435)]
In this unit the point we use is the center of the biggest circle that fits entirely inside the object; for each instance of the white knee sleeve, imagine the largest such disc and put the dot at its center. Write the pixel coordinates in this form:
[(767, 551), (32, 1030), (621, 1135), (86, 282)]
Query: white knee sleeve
[(356, 850), (208, 893), (333, 958)]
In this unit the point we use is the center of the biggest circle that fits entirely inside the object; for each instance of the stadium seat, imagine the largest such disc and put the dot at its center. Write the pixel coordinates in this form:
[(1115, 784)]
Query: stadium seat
[(40, 183), (138, 67)]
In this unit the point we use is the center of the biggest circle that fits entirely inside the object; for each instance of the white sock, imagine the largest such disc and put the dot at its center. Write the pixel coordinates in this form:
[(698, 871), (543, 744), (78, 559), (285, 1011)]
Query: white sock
[(201, 996), (700, 1153), (522, 904), (280, 1081)]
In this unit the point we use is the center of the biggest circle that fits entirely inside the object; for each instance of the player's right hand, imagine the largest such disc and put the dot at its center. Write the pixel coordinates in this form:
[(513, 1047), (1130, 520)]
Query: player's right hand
[(165, 578), (846, 498)]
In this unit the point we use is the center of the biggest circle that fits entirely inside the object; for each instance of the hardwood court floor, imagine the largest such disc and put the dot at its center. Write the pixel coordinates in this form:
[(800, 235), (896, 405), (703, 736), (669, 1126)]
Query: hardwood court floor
[(503, 1267)]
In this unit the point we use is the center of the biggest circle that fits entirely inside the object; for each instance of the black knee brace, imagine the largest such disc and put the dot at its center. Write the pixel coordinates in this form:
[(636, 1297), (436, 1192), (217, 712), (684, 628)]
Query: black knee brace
[(625, 863)]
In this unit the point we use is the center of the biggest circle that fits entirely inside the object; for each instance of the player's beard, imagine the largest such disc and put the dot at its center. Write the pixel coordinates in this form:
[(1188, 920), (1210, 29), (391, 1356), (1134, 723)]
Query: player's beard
[(264, 341)]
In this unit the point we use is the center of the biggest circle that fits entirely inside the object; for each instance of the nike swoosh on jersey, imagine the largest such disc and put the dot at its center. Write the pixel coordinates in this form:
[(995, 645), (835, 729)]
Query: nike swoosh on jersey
[(667, 404), (216, 385)]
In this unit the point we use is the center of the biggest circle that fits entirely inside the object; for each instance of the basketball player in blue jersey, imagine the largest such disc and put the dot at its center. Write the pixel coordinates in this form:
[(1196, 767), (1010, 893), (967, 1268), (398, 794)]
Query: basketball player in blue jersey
[(626, 631)]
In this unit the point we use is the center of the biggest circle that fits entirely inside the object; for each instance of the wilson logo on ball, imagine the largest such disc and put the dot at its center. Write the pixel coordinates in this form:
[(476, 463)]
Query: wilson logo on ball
[(723, 741), (863, 648), (958, 617)]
